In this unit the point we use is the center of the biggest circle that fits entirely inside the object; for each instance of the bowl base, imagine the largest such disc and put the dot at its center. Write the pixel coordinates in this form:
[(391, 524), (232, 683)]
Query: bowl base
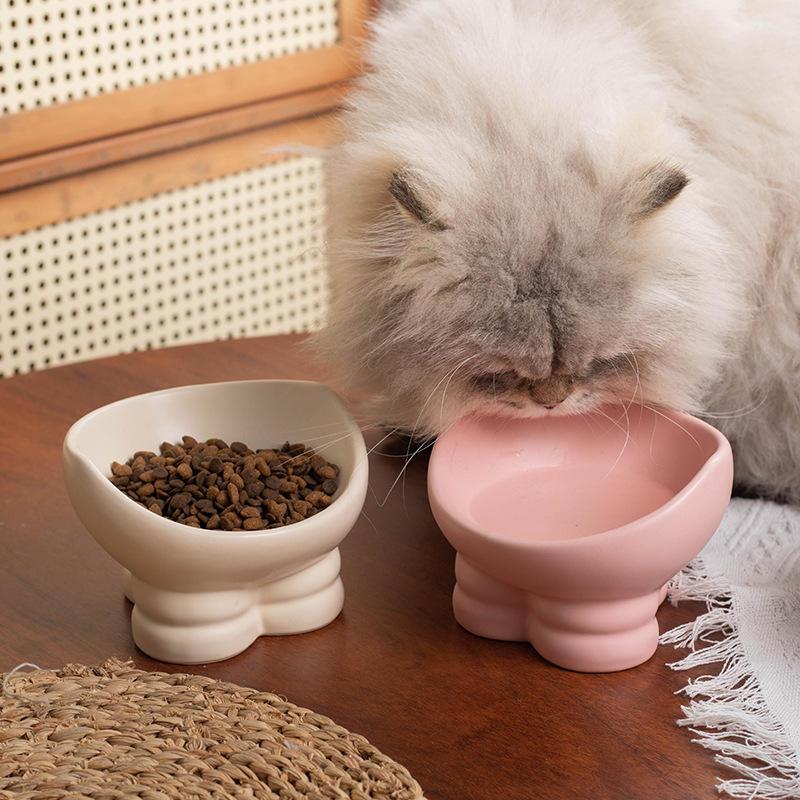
[(585, 636), (203, 627)]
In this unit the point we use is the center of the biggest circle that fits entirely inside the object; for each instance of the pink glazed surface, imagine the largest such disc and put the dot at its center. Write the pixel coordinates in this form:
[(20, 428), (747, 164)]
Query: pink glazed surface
[(567, 528)]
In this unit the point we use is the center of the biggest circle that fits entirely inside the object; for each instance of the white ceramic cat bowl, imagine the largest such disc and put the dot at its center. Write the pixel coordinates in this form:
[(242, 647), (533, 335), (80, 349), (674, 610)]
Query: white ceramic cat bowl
[(202, 595), (568, 528)]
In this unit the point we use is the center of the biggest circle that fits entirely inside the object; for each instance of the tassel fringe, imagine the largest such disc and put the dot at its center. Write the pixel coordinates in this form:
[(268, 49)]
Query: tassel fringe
[(727, 712)]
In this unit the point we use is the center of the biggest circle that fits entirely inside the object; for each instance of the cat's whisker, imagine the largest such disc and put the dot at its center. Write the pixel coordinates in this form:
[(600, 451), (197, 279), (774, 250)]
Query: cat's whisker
[(409, 460), (441, 415), (635, 366), (381, 441), (602, 413), (622, 449), (723, 415), (447, 385), (674, 422), (626, 408), (368, 519), (320, 448), (357, 420), (334, 434), (424, 406)]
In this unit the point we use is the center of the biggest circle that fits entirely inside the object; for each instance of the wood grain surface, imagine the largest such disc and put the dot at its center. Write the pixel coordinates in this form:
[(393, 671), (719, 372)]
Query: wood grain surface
[(472, 719)]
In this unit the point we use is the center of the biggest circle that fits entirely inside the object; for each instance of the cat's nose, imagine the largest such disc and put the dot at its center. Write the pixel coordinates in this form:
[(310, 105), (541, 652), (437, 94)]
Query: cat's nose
[(551, 391)]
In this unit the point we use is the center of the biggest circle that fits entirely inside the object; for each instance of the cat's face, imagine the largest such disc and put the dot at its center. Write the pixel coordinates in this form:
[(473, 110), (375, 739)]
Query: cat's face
[(539, 294)]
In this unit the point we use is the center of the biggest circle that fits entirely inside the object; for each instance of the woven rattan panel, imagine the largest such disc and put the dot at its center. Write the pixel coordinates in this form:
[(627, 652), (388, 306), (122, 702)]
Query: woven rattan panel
[(241, 255), (52, 51)]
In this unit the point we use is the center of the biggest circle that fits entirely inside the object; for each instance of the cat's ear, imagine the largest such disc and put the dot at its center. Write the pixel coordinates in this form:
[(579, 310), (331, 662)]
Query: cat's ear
[(654, 189), (407, 192)]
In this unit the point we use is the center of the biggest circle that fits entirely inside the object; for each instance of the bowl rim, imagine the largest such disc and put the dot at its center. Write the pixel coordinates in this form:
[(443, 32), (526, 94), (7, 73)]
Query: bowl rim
[(722, 452), (356, 482)]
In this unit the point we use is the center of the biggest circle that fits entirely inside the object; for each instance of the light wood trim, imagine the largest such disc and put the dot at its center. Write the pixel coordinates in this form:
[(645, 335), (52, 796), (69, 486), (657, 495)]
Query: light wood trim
[(94, 118), (94, 155), (353, 16), (74, 196)]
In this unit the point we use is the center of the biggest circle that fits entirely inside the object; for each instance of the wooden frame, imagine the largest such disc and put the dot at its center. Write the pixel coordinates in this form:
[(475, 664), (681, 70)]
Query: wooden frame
[(82, 156), (84, 193), (23, 172)]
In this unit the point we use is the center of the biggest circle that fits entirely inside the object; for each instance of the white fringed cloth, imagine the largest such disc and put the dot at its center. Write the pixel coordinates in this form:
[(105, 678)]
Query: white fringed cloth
[(747, 711)]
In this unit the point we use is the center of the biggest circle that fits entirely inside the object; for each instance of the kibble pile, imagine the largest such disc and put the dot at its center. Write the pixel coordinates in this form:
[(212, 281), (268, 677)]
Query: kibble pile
[(228, 487)]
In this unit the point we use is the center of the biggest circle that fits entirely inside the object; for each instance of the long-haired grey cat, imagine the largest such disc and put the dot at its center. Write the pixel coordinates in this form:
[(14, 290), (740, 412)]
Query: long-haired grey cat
[(542, 206)]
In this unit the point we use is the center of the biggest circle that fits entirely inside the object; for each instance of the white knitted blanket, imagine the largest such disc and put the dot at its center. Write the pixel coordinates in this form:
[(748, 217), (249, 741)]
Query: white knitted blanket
[(748, 711)]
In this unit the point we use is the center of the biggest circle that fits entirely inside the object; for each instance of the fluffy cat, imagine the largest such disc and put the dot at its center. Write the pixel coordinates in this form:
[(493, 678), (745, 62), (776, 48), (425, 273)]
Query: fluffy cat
[(540, 206)]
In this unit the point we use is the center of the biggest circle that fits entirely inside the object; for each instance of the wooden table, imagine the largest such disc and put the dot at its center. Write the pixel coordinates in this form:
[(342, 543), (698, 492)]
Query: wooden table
[(472, 719)]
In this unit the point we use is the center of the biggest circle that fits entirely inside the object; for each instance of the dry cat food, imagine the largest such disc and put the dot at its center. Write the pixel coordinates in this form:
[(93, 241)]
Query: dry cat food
[(228, 487)]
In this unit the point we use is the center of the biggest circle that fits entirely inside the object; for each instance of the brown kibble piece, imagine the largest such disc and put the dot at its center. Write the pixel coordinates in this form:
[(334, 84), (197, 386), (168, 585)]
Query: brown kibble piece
[(302, 507), (315, 498), (249, 512), (254, 489), (233, 518), (250, 475), (185, 471), (145, 490), (180, 500), (329, 486), (275, 508), (253, 524), (205, 506), (327, 472), (263, 468), (121, 470)]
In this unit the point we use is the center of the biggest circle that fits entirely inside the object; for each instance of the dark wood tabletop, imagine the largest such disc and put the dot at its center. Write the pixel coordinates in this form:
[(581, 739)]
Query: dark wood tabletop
[(472, 719)]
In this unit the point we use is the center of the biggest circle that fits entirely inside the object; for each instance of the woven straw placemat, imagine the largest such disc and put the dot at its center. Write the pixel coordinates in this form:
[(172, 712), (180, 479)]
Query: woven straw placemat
[(112, 731)]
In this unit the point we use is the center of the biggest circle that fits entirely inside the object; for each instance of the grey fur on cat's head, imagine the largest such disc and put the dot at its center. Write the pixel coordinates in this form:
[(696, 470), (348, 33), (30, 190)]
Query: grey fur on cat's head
[(490, 252)]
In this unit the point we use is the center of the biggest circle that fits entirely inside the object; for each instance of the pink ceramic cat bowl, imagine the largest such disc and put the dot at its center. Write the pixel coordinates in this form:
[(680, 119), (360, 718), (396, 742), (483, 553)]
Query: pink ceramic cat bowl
[(567, 535)]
